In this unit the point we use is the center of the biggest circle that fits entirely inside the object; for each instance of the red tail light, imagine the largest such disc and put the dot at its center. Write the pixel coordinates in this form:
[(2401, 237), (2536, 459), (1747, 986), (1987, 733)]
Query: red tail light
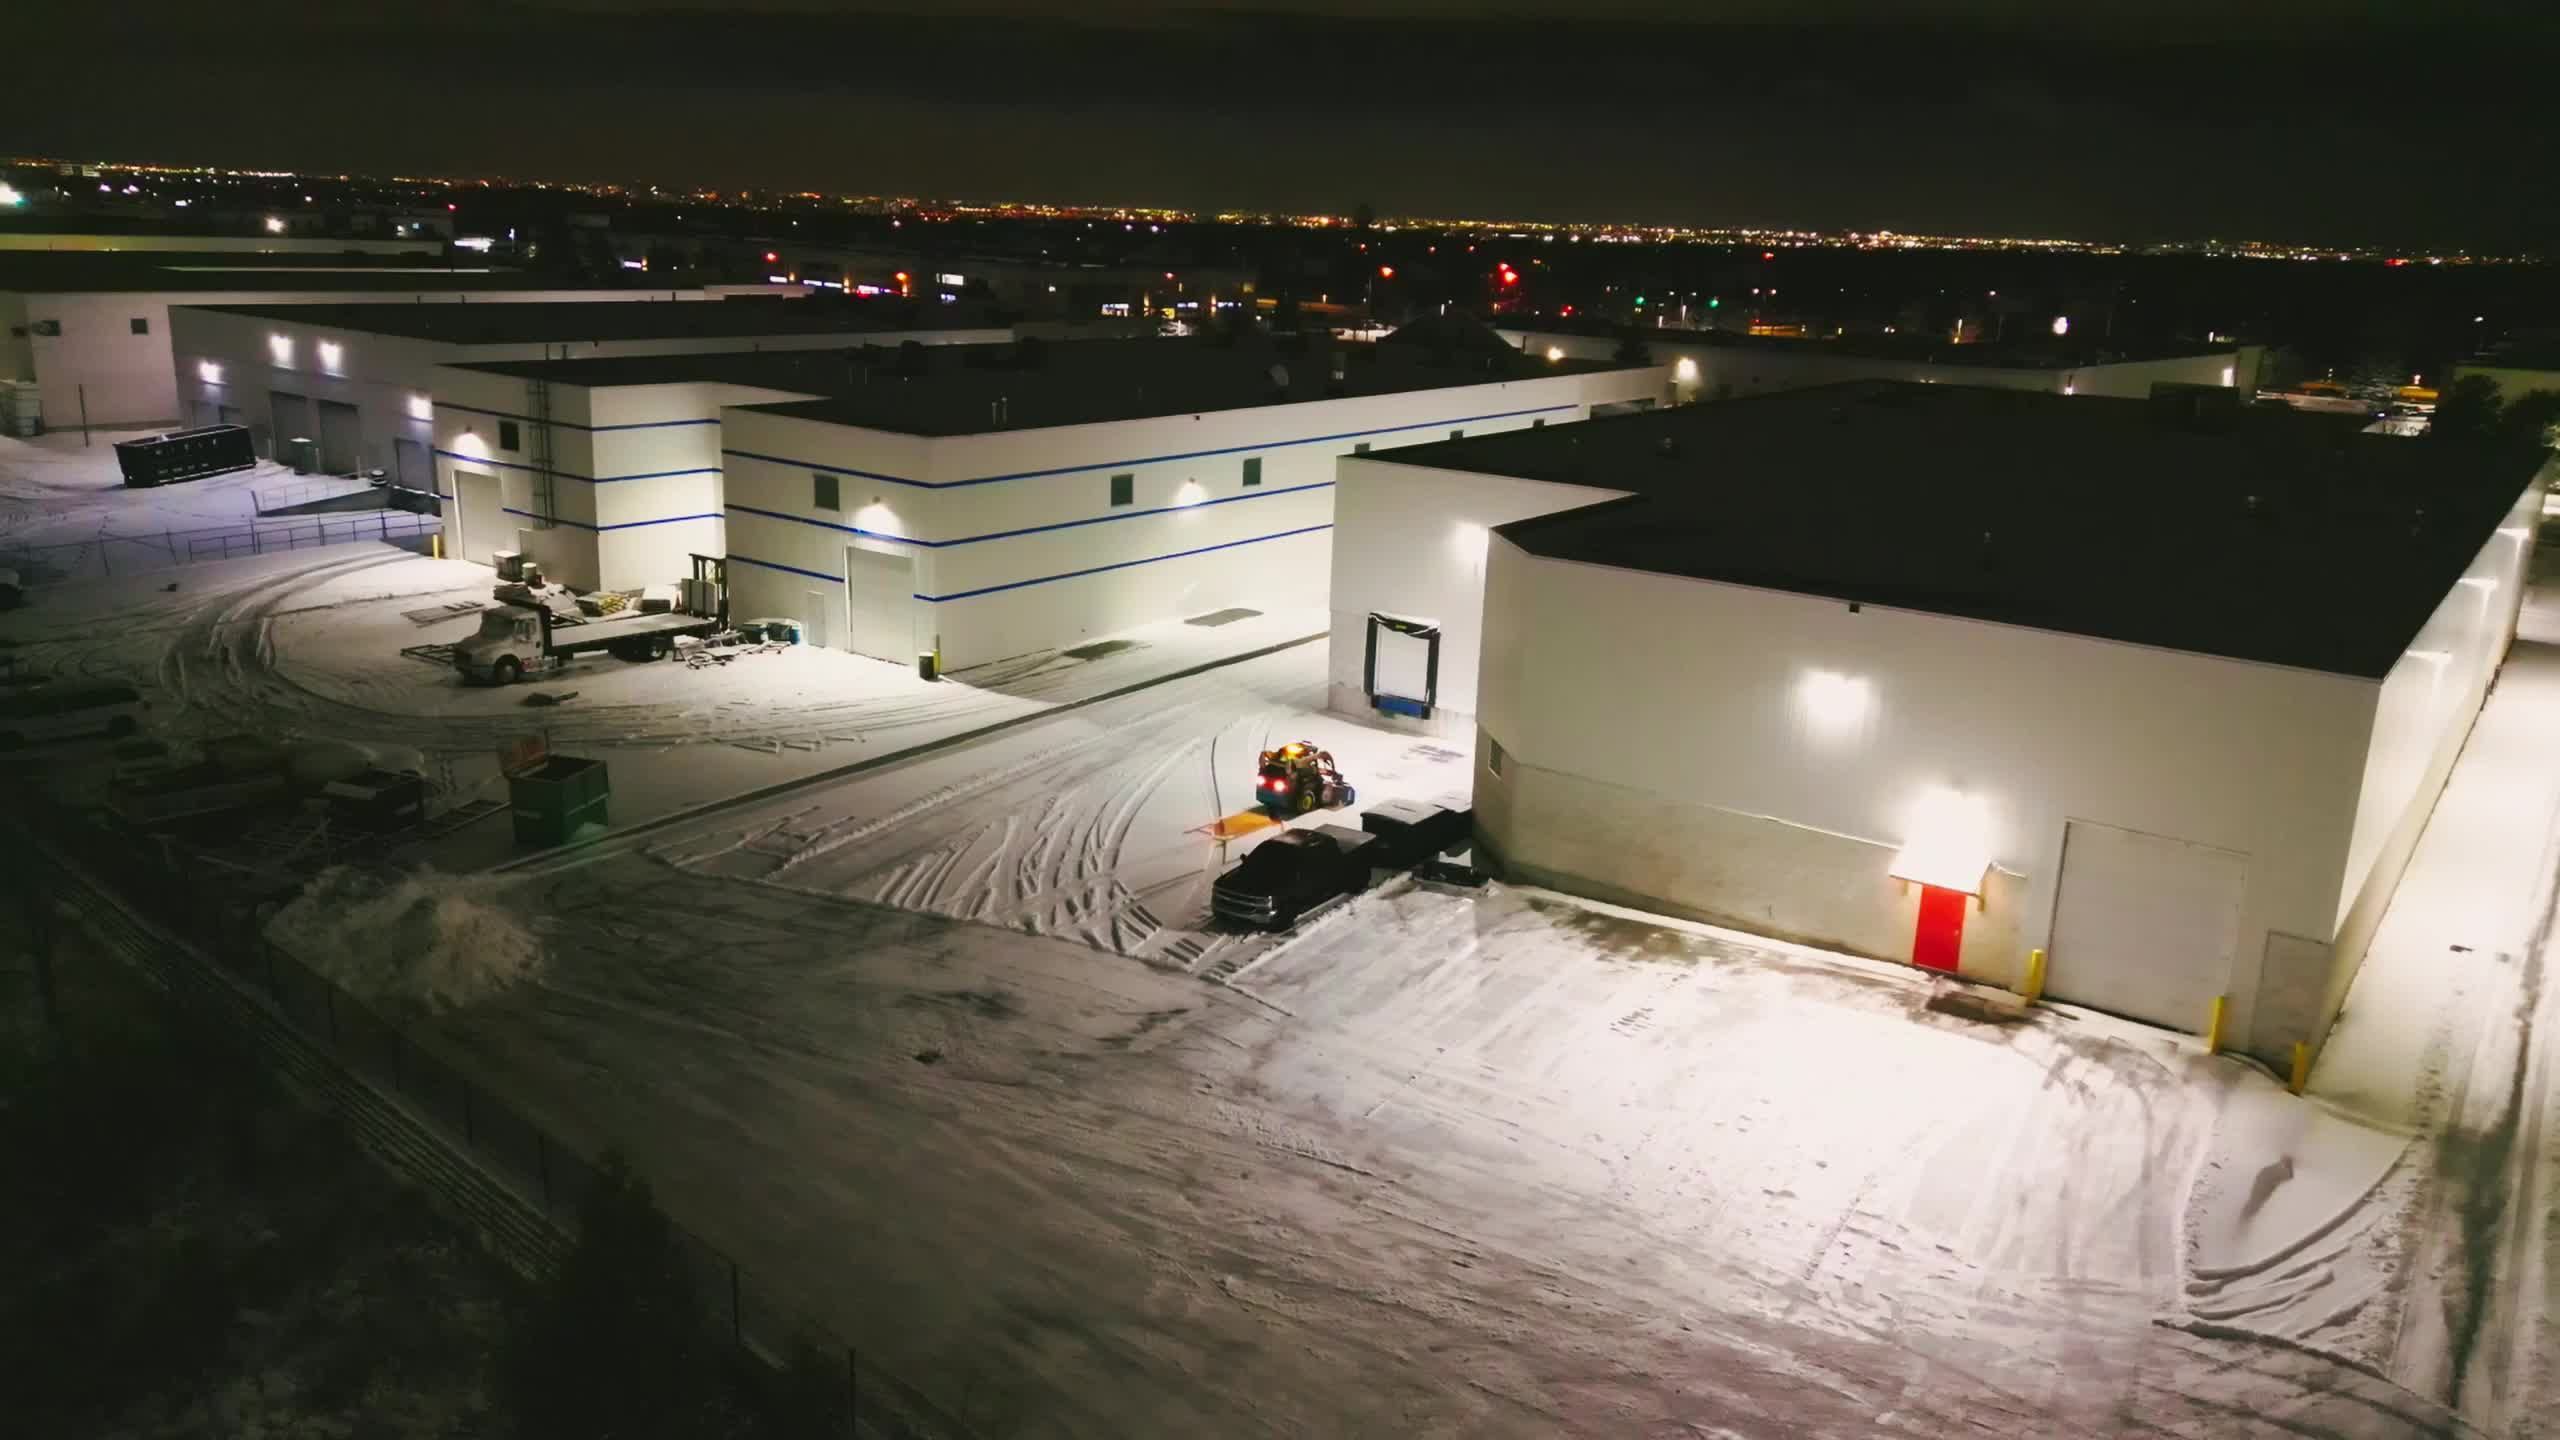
[(1280, 785)]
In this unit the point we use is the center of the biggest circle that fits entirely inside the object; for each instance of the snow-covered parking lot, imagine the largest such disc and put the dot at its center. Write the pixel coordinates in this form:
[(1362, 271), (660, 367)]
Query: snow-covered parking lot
[(1445, 1166)]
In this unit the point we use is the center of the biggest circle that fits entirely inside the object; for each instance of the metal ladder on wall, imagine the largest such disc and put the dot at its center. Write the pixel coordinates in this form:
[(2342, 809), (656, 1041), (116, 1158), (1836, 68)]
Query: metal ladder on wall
[(537, 399)]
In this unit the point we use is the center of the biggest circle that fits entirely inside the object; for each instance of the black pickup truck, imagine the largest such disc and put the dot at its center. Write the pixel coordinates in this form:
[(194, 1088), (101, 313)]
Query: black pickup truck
[(1292, 873)]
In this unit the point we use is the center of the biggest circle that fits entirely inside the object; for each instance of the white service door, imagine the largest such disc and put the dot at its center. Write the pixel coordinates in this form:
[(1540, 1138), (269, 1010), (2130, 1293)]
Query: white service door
[(480, 505), (2146, 924), (879, 594), (1404, 664)]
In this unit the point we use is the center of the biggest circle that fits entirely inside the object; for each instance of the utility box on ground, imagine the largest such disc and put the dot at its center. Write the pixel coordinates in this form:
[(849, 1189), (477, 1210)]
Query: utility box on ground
[(185, 455), (556, 799), (379, 802)]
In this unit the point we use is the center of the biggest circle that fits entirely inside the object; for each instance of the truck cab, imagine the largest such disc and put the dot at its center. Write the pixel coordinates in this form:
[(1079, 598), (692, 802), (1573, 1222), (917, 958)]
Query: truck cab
[(508, 644), (1291, 873)]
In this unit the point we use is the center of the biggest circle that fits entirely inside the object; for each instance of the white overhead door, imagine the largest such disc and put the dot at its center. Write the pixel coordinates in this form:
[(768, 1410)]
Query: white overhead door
[(879, 593), (2145, 925), (479, 502)]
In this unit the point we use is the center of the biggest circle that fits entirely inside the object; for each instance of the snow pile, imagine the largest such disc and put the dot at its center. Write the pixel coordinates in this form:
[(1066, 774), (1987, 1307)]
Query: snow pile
[(412, 940), (2281, 1220)]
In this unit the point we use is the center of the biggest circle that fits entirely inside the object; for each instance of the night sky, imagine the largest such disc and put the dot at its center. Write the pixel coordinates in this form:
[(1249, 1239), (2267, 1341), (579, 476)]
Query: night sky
[(2417, 125)]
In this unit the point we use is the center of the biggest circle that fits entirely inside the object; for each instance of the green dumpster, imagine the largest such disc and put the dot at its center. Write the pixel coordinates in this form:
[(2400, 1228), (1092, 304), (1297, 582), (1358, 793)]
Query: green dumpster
[(556, 799)]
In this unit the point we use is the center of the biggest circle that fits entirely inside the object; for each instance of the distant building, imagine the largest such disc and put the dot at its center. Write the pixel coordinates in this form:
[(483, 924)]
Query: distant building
[(91, 327), (1721, 365), (2520, 367), (356, 380), (1950, 674)]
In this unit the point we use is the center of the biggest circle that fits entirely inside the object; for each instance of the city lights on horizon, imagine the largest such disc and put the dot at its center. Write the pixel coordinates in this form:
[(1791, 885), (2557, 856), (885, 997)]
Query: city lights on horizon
[(1769, 239)]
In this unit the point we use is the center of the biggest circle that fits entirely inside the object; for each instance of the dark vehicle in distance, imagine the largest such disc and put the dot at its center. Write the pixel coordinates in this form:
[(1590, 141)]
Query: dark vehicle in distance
[(1292, 873)]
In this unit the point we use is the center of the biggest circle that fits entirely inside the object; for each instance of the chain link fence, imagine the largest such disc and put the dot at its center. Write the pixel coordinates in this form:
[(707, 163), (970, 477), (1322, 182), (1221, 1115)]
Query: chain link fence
[(110, 555), (224, 920)]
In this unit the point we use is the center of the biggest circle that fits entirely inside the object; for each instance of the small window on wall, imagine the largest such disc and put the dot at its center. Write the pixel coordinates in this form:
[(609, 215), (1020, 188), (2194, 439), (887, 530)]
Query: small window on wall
[(509, 438), (1124, 489), (1538, 424), (1493, 757), (141, 325), (1360, 449), (824, 492), (1252, 471), (1457, 434)]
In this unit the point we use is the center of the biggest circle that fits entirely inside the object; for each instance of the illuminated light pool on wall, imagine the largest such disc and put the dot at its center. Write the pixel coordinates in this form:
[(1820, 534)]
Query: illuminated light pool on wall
[(1949, 841), (1834, 704)]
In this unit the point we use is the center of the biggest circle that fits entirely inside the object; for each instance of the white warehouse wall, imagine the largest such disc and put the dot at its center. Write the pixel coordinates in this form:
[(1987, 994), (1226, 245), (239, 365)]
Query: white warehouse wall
[(390, 378), (132, 381), (1730, 371), (2423, 716), (1655, 750), (1409, 541), (1015, 547)]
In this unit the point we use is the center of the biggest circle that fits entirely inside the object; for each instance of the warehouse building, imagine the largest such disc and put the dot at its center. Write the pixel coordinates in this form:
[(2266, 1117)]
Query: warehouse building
[(91, 329), (1949, 675), (1722, 365), (634, 474), (357, 380), (1021, 499)]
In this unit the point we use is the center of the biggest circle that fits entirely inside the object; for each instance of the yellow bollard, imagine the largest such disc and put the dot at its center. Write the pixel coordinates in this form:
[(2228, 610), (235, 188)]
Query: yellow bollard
[(2301, 1066), (435, 545), (2034, 989), (2213, 1028)]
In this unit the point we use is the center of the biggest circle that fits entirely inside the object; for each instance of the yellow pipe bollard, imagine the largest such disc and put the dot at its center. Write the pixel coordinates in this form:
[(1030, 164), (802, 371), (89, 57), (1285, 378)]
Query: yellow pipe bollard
[(2034, 989), (2301, 1066), (435, 545), (2213, 1028)]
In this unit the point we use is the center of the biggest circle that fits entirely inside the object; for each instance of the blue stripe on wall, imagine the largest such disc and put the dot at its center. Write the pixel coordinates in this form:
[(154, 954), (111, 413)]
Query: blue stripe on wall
[(1027, 530), (734, 556), (1122, 565), (572, 475), (572, 424), (1044, 579), (1141, 460), (617, 525)]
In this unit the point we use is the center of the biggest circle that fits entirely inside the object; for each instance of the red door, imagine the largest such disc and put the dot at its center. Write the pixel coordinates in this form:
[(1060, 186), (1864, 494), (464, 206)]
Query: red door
[(1940, 934)]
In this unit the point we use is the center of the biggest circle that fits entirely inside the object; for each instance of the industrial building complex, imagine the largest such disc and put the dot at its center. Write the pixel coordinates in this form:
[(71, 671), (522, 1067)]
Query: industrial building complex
[(978, 502), (355, 380), (1905, 670)]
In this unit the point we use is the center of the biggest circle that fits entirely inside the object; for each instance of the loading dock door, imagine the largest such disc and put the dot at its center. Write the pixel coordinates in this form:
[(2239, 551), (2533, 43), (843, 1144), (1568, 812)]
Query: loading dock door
[(2145, 925), (480, 504), (1403, 664), (293, 422), (341, 438), (879, 594)]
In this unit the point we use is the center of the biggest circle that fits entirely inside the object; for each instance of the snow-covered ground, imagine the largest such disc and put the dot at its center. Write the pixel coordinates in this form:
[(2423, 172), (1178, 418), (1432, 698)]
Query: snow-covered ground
[(2402, 1215), (1443, 1166), (904, 994), (1092, 825), (65, 509), (307, 644), (1438, 1165)]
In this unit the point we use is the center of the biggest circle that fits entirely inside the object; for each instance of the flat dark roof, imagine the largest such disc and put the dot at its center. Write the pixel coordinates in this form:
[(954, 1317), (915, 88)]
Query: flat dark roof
[(819, 372), (527, 322), (78, 271), (2036, 352), (2099, 517), (1079, 382)]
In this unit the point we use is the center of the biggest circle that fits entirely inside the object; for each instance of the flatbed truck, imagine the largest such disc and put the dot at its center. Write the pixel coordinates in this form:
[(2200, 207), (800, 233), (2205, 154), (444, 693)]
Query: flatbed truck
[(519, 640)]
